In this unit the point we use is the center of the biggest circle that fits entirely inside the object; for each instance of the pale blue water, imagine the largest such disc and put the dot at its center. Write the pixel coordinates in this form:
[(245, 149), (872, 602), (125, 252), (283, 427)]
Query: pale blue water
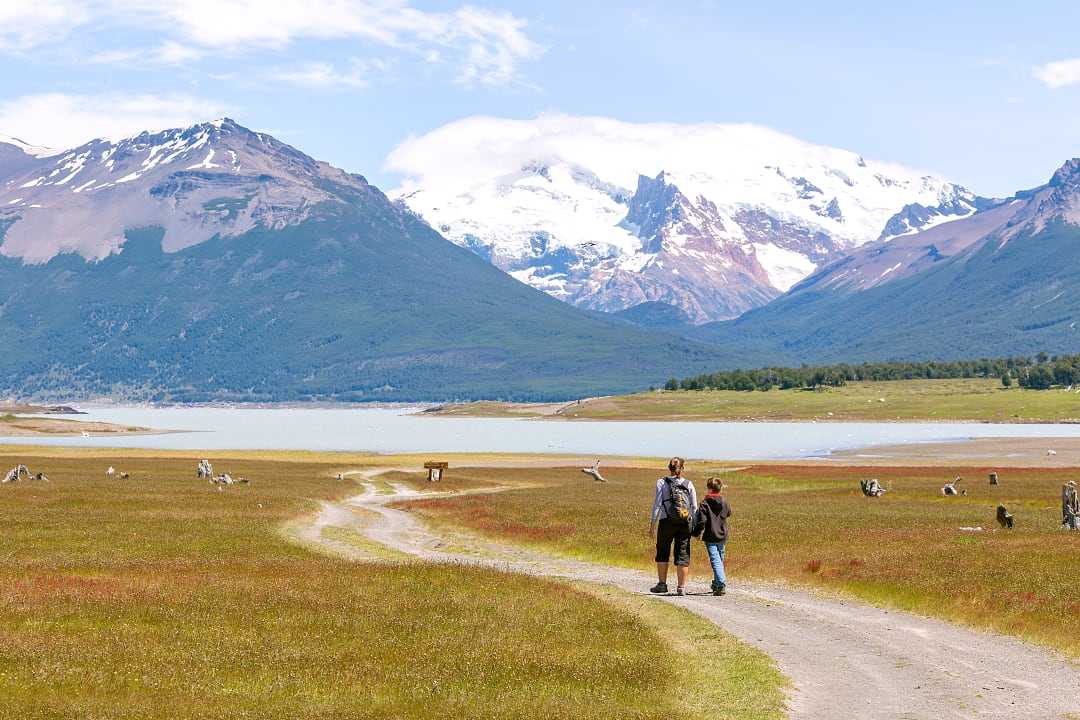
[(401, 430)]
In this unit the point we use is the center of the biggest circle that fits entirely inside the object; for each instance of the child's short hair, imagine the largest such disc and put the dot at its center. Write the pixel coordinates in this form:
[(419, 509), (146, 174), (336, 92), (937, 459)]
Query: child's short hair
[(715, 484)]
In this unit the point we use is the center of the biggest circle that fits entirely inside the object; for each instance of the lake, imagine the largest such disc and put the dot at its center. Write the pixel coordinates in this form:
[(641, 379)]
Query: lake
[(398, 430)]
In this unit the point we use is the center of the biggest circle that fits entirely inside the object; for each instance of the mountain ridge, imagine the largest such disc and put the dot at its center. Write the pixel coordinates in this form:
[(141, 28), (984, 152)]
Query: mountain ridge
[(551, 201), (230, 266), (999, 282)]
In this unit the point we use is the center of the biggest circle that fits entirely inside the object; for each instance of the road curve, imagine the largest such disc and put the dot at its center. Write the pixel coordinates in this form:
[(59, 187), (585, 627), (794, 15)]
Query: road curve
[(847, 660)]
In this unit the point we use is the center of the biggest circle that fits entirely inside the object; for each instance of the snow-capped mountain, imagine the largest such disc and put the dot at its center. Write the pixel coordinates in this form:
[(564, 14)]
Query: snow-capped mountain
[(197, 182), (1004, 281), (714, 219), (1029, 213), (213, 262)]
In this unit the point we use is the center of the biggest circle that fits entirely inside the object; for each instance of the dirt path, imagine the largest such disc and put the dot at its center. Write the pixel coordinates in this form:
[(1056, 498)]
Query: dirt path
[(845, 659)]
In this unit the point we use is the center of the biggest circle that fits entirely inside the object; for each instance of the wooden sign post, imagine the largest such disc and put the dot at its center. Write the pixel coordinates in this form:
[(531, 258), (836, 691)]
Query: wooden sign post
[(435, 470)]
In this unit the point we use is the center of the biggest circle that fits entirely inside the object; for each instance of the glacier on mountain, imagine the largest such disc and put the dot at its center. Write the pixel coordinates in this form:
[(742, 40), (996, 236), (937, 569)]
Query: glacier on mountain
[(750, 211)]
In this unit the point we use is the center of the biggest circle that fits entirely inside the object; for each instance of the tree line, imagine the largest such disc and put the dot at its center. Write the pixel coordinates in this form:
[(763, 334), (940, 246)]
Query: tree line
[(1040, 372)]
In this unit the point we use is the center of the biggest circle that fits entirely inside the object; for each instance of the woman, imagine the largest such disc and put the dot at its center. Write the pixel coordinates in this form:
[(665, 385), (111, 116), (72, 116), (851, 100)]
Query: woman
[(672, 520)]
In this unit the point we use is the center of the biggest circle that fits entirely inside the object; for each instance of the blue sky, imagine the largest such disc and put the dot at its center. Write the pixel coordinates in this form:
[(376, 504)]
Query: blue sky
[(984, 93)]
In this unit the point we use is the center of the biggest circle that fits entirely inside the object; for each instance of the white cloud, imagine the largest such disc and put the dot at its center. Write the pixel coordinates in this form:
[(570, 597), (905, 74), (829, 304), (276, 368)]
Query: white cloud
[(174, 53), (474, 149), (1059, 74), (495, 43), (25, 24), (325, 75), (487, 46), (168, 53), (61, 121)]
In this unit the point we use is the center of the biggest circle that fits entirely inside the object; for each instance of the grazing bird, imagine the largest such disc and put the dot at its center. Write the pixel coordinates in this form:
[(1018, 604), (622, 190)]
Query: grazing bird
[(41, 476), (1004, 518), (340, 476), (1051, 452), (594, 471), (124, 476)]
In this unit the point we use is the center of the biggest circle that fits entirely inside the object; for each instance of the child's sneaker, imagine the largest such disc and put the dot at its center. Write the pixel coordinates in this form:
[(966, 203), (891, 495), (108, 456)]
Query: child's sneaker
[(659, 588), (719, 590)]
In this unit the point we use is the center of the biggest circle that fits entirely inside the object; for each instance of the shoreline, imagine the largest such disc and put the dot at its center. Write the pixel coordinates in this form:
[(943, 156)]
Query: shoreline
[(47, 425), (1014, 452), (555, 417)]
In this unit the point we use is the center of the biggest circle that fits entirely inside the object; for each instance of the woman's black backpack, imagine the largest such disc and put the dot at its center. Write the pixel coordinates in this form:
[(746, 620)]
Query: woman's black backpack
[(678, 504)]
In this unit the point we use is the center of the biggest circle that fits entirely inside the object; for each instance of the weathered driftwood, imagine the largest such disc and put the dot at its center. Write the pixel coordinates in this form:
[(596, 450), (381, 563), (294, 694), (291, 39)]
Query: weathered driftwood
[(1070, 506), (594, 471), (227, 479), (19, 472), (16, 473), (950, 489), (872, 488)]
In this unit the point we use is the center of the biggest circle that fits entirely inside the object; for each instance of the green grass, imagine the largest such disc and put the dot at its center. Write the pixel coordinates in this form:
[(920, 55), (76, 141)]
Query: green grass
[(162, 597), (812, 526), (905, 400)]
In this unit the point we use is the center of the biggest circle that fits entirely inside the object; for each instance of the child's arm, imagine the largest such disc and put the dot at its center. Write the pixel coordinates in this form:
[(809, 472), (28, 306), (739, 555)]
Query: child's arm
[(702, 519)]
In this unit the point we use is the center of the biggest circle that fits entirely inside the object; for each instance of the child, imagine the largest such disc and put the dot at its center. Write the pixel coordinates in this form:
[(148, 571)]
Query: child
[(713, 513)]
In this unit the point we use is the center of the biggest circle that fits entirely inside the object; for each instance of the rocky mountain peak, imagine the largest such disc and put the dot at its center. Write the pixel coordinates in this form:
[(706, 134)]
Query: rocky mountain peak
[(730, 206), (1068, 175), (657, 204), (212, 178)]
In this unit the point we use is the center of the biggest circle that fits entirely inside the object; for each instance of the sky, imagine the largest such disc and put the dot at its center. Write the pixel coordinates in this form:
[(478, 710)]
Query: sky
[(983, 93)]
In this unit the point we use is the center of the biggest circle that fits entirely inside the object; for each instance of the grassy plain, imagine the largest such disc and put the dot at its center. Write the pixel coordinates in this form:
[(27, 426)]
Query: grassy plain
[(972, 400), (162, 597), (810, 525)]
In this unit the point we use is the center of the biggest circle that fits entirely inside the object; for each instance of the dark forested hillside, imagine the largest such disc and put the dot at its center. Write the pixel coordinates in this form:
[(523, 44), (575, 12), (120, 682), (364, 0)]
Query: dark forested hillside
[(361, 302), (1038, 373)]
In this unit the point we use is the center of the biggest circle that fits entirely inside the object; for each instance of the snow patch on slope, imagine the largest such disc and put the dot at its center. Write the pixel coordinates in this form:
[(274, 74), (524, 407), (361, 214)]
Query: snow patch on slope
[(785, 267), (34, 150), (550, 201), (733, 165)]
